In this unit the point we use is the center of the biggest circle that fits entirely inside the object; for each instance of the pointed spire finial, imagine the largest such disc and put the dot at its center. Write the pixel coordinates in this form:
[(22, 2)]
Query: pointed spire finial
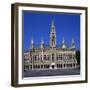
[(63, 41), (73, 44), (72, 40), (53, 27), (52, 22), (42, 42), (32, 42)]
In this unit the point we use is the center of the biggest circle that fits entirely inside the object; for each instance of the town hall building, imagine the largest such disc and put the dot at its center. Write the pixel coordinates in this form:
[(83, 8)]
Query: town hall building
[(51, 57)]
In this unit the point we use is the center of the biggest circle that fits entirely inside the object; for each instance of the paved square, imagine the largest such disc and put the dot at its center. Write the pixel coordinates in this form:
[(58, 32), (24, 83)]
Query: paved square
[(53, 72)]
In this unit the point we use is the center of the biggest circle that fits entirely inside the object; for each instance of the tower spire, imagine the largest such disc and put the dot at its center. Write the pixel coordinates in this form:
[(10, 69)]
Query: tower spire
[(52, 35), (52, 22), (53, 27), (42, 42)]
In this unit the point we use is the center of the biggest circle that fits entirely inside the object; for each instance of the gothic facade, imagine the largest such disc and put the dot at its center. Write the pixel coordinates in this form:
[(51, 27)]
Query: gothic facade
[(52, 57)]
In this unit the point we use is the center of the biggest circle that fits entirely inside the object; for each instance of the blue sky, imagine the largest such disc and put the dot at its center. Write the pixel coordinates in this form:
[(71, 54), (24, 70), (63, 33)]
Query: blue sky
[(37, 25)]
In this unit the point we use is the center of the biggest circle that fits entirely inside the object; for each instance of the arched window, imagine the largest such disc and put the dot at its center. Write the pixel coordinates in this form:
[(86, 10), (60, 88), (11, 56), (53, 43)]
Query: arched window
[(38, 66), (41, 66), (64, 65), (44, 57), (61, 65), (41, 57), (57, 65), (44, 66), (57, 57), (48, 58), (34, 66), (30, 66), (52, 57), (35, 58)]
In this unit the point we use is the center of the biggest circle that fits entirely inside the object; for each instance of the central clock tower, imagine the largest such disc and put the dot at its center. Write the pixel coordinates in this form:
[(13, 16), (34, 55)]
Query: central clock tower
[(53, 35)]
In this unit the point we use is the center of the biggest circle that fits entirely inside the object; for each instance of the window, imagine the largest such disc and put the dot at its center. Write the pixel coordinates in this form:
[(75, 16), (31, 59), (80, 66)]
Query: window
[(61, 57), (30, 66), (48, 58), (35, 58), (44, 57), (64, 65), (34, 66), (52, 57), (41, 66), (41, 57), (38, 66), (47, 66), (44, 66), (56, 58), (61, 65), (31, 58)]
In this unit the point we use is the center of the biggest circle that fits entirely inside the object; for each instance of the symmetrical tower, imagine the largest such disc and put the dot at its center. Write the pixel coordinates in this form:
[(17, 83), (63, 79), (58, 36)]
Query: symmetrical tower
[(52, 35), (32, 44)]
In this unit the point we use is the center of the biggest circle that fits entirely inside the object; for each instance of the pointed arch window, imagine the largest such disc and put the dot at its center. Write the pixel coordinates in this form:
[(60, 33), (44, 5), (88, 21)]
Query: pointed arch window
[(53, 57)]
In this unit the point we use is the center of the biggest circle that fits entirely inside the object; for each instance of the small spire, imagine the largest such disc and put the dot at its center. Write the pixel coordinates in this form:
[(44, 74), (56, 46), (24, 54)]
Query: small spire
[(32, 42), (73, 44), (42, 42), (72, 41), (63, 43)]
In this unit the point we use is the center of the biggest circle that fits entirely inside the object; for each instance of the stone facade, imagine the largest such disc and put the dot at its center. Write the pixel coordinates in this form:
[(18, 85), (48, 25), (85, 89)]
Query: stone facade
[(52, 57)]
